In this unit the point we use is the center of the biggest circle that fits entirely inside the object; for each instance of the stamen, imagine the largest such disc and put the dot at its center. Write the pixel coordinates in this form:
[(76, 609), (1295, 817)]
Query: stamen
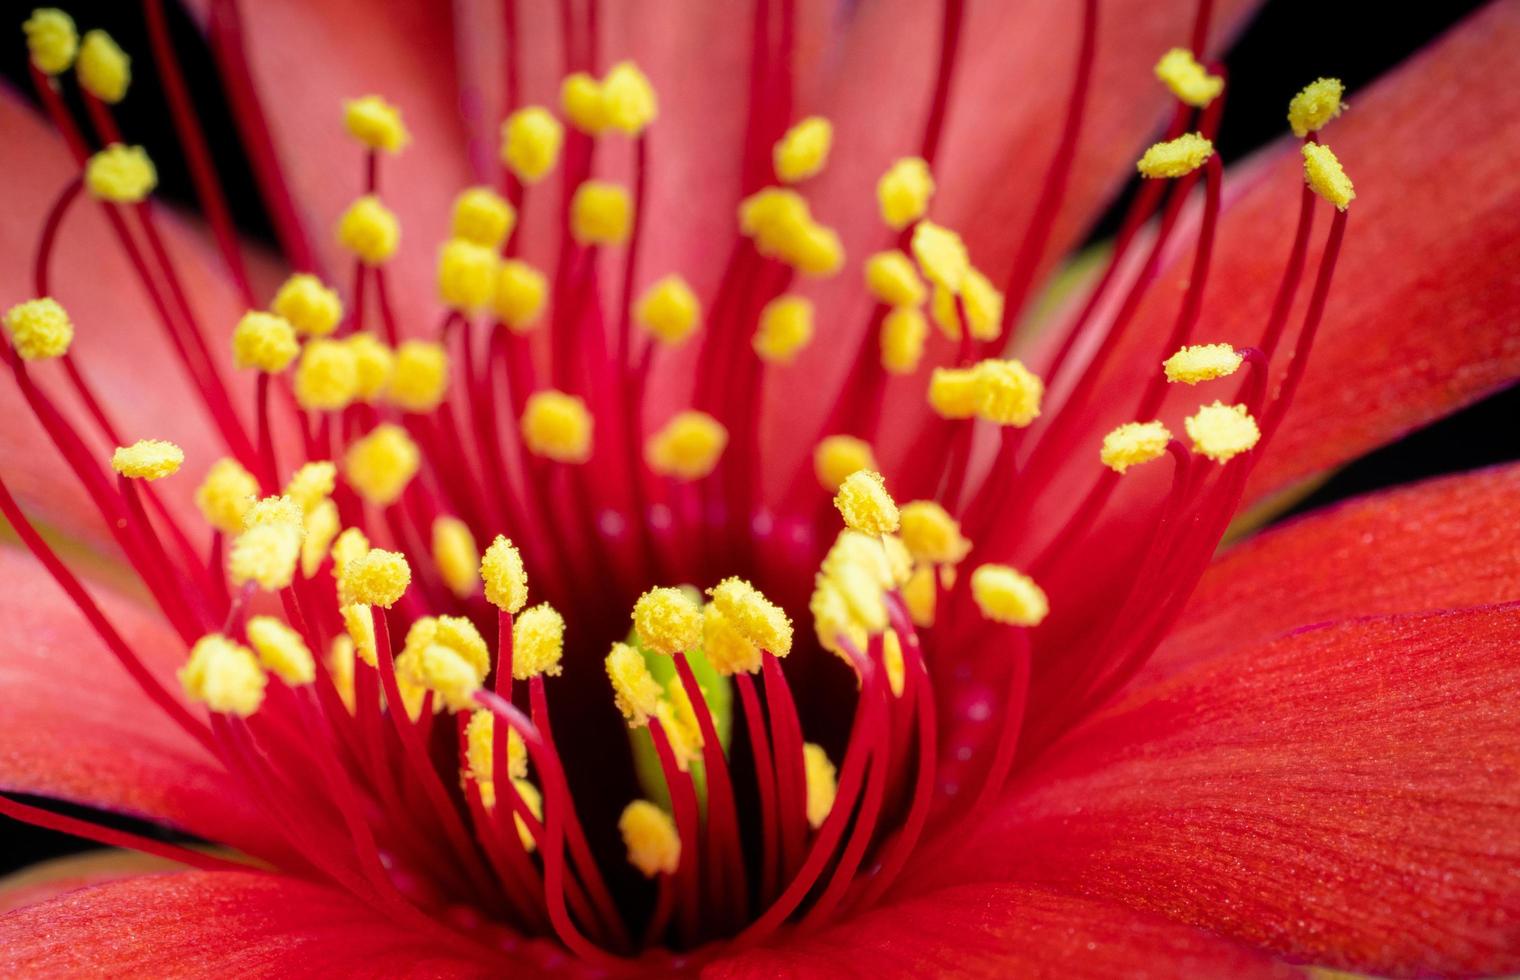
[(104, 69), (1314, 106)]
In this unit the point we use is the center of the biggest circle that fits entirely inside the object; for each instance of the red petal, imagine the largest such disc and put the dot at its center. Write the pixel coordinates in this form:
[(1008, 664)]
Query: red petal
[(40, 882), (1002, 930), (198, 924), (1345, 795)]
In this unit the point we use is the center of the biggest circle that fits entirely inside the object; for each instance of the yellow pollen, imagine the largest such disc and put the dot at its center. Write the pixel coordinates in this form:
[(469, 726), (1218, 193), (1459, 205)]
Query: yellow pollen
[(667, 620), (941, 255), (1189, 81), (224, 676), (629, 102), (865, 504), (728, 650), (634, 689), (687, 447), (669, 310), (51, 39), (370, 230), (903, 192), (420, 377), (757, 619), (501, 568), (983, 303), (456, 556), (532, 799), (833, 619), (311, 483), (121, 174), (309, 306), (466, 275), (530, 143), (1325, 176), (279, 510), (521, 291), (265, 342), (836, 457), (892, 278), (103, 67), (39, 329), (931, 534), (1221, 432), (803, 151), (538, 641), (349, 544), (381, 464), (920, 596), (282, 651), (1202, 362), (322, 526), (650, 835), (785, 327), (892, 662), (821, 783), (455, 633), (225, 495), (327, 376), (903, 334), (377, 578), (1317, 104), (679, 720), (375, 123), (557, 426), (147, 459), (1134, 443), (266, 554), (1176, 158), (601, 213), (580, 97), (450, 676), (373, 364), (860, 590), (359, 622), (1008, 596), (955, 393), (1010, 393), (817, 251), (340, 664), (480, 748), (772, 217), (483, 217)]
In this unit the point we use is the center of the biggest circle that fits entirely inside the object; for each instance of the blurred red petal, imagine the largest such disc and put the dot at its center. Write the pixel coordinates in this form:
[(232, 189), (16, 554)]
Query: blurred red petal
[(49, 879)]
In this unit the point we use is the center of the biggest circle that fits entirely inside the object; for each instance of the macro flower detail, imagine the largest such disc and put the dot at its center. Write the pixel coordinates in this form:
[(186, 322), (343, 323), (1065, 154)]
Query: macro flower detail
[(653, 518)]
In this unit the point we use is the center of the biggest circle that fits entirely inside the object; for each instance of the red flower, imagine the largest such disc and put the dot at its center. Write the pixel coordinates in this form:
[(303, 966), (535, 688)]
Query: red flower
[(1301, 752)]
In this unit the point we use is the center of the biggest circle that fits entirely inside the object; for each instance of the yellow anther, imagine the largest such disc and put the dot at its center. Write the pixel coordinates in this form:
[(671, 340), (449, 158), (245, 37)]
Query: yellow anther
[(1316, 105), (265, 342), (466, 275), (687, 447), (538, 642), (225, 495), (1221, 432), (121, 174), (1008, 596), (377, 578), (340, 664), (832, 619), (920, 596), (667, 620), (39, 329), (309, 306), (883, 559), (1134, 443), (836, 457), (628, 100), (266, 554), (381, 464), (375, 123), (892, 278), (532, 799), (501, 568), (483, 216), (982, 301), (892, 662), (679, 720), (359, 622), (521, 291), (104, 69), (349, 544), (454, 632), (327, 376), (420, 377), (757, 619), (931, 534), (861, 592), (1189, 81), (903, 335), (455, 554), (904, 192), (147, 459), (1325, 176), (821, 784), (1202, 362), (785, 327), (282, 651), (816, 251), (601, 213), (669, 310), (726, 648), (634, 689), (51, 39), (277, 510), (224, 676), (1010, 393), (370, 230), (650, 835), (373, 364), (941, 255), (773, 217), (530, 143), (311, 484), (580, 97), (557, 426), (450, 676), (1176, 158), (322, 525), (955, 393), (480, 748), (804, 150)]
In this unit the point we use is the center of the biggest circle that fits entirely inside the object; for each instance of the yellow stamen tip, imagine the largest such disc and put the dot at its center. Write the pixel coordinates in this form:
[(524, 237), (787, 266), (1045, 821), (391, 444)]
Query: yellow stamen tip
[(983, 304), (892, 278), (375, 123), (822, 785), (480, 748), (381, 464), (281, 650), (521, 292), (892, 662), (311, 307), (278, 510), (1221, 432), (311, 484), (377, 578), (601, 213), (457, 634), (1176, 158), (349, 544), (483, 216), (538, 641), (1325, 176), (359, 623), (322, 525), (803, 151), (373, 364), (225, 495), (903, 192), (327, 377), (1314, 106), (903, 335), (104, 69), (1189, 81), (678, 718), (265, 342), (955, 393), (941, 254), (1010, 393), (629, 102), (667, 620), (785, 327), (147, 459), (455, 554), (634, 689), (501, 568), (726, 648), (420, 376), (1134, 443), (931, 534), (369, 230), (669, 310), (466, 275), (757, 619), (224, 676), (530, 142), (557, 426), (448, 675), (865, 504), (920, 596), (120, 174), (836, 457), (51, 40), (1008, 596), (39, 329), (267, 555), (1202, 362), (580, 98), (782, 227), (687, 447), (650, 835)]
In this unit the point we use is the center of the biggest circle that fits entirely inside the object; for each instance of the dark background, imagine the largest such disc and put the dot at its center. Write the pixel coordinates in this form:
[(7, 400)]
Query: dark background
[(1270, 61)]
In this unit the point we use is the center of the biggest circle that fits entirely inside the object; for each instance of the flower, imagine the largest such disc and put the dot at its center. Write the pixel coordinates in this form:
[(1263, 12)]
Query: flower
[(1056, 737)]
